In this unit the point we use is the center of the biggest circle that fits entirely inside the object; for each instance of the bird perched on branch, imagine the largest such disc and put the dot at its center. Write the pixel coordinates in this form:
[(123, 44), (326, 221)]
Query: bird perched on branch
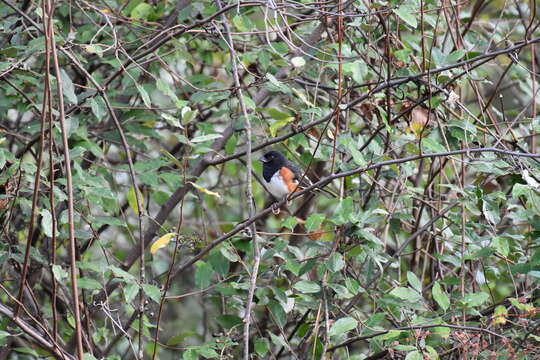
[(281, 176)]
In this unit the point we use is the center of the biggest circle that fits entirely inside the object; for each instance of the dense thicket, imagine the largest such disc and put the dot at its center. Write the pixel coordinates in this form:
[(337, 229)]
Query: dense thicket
[(134, 220)]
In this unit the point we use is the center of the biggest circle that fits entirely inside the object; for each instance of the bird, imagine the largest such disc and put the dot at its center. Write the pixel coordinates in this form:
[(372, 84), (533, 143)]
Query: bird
[(281, 176)]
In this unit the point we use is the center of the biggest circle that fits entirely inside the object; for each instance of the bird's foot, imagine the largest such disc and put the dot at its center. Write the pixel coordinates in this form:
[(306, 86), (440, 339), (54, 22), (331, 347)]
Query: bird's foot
[(275, 209)]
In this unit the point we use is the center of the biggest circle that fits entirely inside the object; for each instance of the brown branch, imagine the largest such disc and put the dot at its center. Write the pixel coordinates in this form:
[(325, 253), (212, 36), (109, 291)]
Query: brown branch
[(35, 334), (382, 86), (327, 180), (69, 180), (416, 327)]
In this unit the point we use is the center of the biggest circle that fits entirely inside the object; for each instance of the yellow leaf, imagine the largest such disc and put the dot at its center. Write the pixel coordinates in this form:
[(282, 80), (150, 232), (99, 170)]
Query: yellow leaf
[(132, 200), (161, 242), (150, 124), (279, 124), (499, 316), (419, 120), (206, 191)]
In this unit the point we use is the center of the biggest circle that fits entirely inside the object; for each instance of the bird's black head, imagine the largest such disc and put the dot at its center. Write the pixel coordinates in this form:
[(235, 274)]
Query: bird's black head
[(273, 158), (272, 162)]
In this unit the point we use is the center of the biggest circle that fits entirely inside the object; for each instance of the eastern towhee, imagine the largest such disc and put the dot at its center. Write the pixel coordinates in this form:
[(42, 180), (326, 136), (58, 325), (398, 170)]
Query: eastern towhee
[(282, 177)]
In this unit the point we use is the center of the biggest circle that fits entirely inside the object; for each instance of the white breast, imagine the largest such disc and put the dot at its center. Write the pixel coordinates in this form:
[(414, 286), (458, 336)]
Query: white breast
[(277, 187)]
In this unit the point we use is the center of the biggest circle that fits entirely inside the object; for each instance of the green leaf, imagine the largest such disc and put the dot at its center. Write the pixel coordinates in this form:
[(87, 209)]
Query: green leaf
[(341, 291), (144, 95), (67, 87), (279, 315), (230, 146), (243, 23), (307, 287), (431, 145), (46, 222), (230, 253), (414, 355), (142, 11), (204, 138), (122, 274), (335, 262), (59, 274), (27, 351), (455, 56), (99, 108), (278, 115), (342, 325), (229, 321), (88, 283), (165, 88), (406, 293), (343, 211), (440, 296), (402, 347), (293, 266), (188, 114), (207, 352), (474, 300), (278, 340), (414, 281), (261, 346), (132, 200), (130, 291), (314, 222), (431, 354), (203, 274), (290, 222), (190, 354), (219, 262), (276, 85), (520, 190), (249, 102), (278, 125), (501, 245), (406, 14), (152, 292), (357, 70)]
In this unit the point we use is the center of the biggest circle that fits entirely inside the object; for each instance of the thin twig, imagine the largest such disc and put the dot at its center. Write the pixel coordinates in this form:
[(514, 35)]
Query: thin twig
[(69, 180)]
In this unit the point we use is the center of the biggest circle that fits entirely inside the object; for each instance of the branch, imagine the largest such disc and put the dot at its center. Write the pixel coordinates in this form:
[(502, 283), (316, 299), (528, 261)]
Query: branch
[(327, 180), (251, 209), (365, 337), (382, 86), (35, 334), (69, 181)]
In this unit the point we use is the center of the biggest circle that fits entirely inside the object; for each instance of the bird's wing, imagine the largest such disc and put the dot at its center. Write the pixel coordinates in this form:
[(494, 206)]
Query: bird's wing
[(299, 174)]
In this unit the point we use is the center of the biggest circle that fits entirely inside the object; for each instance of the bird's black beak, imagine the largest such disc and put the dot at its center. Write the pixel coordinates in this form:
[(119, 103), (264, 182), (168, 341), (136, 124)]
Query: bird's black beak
[(263, 159)]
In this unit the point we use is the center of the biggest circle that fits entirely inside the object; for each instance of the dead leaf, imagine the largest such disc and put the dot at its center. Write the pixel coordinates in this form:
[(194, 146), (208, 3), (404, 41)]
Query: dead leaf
[(419, 120), (161, 242)]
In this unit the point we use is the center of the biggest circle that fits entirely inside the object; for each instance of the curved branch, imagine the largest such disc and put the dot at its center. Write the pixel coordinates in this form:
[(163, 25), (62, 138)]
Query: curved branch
[(327, 180)]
